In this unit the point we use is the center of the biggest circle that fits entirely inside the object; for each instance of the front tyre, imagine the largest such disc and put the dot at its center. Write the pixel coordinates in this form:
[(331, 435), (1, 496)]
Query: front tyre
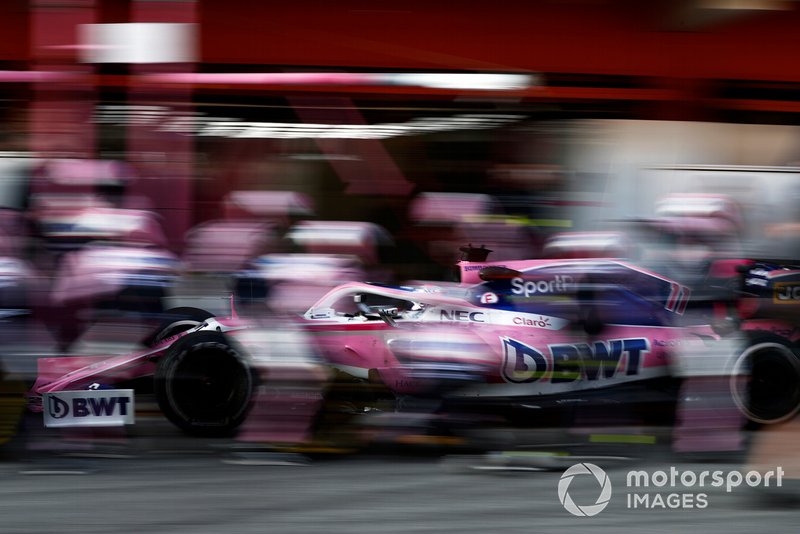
[(766, 380), (204, 385)]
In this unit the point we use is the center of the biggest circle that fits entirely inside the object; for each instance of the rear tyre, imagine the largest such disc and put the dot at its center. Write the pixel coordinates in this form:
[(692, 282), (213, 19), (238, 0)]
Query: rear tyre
[(766, 379), (204, 385)]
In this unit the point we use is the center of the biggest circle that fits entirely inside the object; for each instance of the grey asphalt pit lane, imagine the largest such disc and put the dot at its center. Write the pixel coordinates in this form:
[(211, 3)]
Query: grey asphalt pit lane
[(267, 459)]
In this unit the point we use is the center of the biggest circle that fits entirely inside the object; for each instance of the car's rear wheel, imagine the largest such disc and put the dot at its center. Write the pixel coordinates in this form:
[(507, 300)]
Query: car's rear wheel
[(204, 385), (766, 380)]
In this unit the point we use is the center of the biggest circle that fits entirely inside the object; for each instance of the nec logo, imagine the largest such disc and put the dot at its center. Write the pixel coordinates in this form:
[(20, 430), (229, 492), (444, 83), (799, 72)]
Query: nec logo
[(462, 316), (80, 407)]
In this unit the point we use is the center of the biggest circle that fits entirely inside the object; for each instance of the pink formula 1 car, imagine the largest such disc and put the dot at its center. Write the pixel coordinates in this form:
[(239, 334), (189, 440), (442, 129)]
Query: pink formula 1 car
[(537, 333)]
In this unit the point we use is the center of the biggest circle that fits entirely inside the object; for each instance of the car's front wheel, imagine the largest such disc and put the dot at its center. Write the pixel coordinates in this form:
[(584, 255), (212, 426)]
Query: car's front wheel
[(204, 385)]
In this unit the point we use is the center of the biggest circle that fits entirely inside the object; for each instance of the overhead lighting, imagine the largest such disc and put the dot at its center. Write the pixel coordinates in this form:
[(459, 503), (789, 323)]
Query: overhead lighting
[(484, 82), (434, 80), (138, 42), (194, 123)]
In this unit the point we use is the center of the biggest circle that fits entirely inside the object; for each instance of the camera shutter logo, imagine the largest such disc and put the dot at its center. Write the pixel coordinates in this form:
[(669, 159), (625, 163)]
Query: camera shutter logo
[(566, 480)]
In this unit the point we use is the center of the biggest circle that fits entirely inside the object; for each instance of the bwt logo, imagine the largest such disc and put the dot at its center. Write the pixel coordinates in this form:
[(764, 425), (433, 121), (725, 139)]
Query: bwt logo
[(59, 408), (580, 470), (570, 362)]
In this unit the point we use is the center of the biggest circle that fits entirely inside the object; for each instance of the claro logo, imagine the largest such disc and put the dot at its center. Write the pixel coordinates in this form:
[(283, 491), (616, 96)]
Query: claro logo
[(559, 284)]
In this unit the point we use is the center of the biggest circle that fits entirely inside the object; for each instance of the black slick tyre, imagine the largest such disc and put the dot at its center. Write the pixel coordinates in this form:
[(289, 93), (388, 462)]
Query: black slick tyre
[(765, 381), (204, 385)]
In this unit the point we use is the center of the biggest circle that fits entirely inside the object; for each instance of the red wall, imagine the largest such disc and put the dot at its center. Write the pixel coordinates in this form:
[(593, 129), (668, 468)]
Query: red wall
[(14, 25), (626, 37), (602, 37)]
